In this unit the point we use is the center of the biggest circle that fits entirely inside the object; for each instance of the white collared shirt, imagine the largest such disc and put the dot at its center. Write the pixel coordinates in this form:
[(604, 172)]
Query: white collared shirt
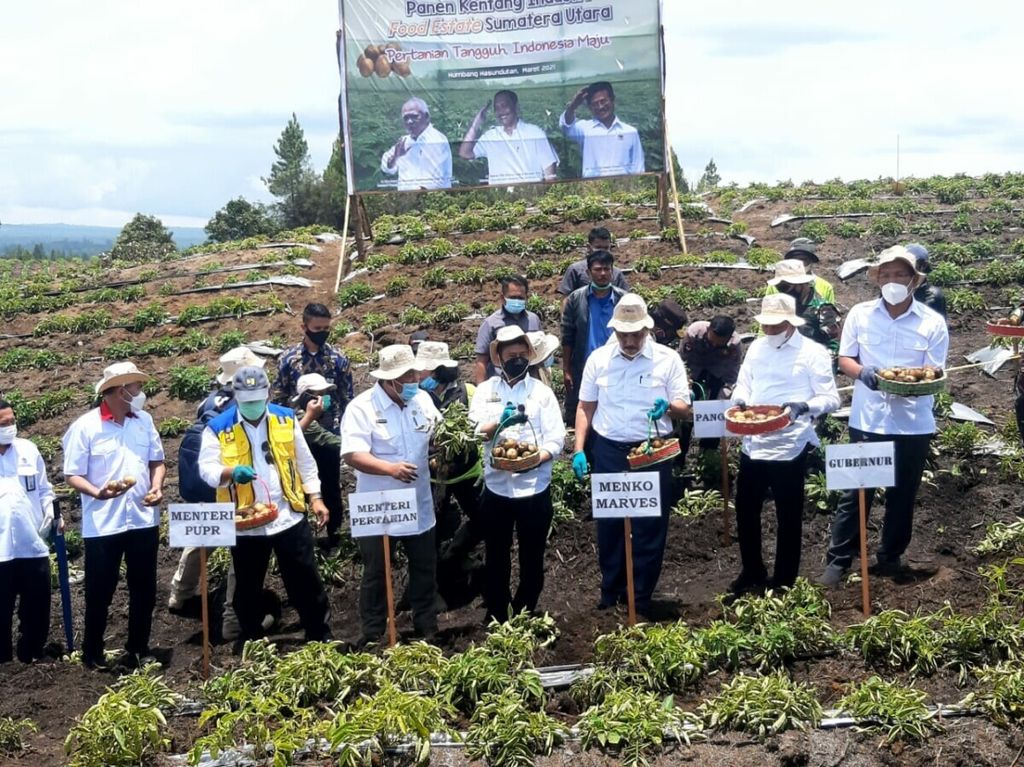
[(916, 338), (19, 525), (23, 461), (268, 480), (373, 423), (101, 450), (607, 150), (547, 432), (516, 157), (799, 371), (426, 164), (625, 389)]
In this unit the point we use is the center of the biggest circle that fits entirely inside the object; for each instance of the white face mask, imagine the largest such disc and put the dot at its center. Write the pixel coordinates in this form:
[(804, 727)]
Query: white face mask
[(776, 339), (8, 433), (894, 293), (137, 402)]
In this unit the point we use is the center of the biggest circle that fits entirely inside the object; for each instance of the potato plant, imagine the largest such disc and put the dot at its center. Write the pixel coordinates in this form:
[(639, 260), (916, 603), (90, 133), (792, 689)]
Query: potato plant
[(12, 734), (762, 706), (635, 725), (508, 730), (898, 712)]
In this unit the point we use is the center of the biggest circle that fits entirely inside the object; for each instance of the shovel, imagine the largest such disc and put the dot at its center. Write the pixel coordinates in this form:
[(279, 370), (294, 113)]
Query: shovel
[(62, 575)]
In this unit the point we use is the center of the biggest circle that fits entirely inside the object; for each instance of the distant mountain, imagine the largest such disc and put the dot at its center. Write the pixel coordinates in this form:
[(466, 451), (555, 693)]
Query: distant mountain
[(80, 240)]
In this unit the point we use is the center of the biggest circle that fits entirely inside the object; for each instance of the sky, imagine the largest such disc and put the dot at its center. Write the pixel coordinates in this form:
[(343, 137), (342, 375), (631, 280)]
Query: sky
[(111, 107)]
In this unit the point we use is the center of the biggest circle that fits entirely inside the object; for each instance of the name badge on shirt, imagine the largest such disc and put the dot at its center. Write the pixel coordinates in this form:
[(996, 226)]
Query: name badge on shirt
[(30, 482)]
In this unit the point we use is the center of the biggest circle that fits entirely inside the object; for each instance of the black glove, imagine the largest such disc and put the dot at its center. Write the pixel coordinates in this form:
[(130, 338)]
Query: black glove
[(796, 409), (741, 404), (868, 376)]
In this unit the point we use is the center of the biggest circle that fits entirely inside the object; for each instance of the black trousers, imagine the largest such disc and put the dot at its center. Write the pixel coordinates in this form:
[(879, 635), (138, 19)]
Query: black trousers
[(421, 553), (328, 466), (786, 480), (649, 533), (898, 523), (27, 581), (530, 519), (294, 551), (467, 494), (103, 557)]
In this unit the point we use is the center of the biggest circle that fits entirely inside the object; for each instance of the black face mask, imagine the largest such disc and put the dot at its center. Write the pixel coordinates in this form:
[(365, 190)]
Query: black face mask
[(446, 375), (319, 337), (515, 368)]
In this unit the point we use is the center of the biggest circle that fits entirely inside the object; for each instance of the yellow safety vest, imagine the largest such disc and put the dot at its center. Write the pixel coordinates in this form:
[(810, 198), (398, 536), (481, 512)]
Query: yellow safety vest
[(235, 450)]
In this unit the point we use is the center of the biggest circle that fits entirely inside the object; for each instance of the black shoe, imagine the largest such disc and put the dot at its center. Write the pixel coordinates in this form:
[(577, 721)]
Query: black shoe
[(95, 664), (657, 611), (884, 570), (746, 584), (366, 641)]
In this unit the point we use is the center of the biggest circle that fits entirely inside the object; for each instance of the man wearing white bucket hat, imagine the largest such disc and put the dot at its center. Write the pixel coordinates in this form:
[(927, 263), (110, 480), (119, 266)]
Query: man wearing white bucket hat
[(782, 367), (255, 452), (517, 406), (895, 330), (629, 385), (113, 457), (544, 347), (385, 437), (821, 317), (805, 251)]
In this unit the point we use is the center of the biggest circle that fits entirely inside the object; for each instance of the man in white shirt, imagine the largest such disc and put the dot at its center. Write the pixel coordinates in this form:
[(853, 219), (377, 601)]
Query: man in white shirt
[(255, 452), (782, 367), (892, 331), (610, 146), (111, 443), (517, 152), (26, 520), (629, 385), (385, 437), (423, 158), (515, 405)]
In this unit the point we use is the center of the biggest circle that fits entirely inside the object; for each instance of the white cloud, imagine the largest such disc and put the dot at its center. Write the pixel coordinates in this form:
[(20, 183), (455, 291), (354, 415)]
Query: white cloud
[(111, 107)]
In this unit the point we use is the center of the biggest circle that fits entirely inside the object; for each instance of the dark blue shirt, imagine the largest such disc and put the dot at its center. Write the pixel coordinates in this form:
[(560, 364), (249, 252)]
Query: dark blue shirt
[(328, 362)]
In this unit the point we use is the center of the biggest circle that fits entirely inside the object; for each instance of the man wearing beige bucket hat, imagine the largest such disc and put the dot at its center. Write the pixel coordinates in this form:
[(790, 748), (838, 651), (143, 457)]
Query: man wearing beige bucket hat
[(514, 405), (805, 251), (895, 330), (113, 457), (385, 437), (782, 367), (630, 386)]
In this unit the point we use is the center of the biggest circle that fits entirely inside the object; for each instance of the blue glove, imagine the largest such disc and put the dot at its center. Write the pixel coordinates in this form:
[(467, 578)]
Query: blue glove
[(579, 465), (659, 409), (868, 376), (508, 412), (796, 409), (741, 404), (243, 475)]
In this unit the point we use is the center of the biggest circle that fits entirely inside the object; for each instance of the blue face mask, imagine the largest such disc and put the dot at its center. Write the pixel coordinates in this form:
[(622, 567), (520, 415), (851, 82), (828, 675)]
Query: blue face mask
[(409, 391), (428, 384), (550, 361), (515, 305)]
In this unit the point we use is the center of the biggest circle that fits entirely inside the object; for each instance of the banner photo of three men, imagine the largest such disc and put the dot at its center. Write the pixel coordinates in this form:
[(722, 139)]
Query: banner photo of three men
[(464, 93)]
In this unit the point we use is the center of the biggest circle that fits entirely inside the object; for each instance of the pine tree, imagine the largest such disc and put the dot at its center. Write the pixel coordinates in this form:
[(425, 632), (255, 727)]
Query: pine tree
[(291, 177), (710, 178), (334, 189)]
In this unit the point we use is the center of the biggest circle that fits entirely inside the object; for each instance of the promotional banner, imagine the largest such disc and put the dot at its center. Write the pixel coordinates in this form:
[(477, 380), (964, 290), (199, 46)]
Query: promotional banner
[(441, 94)]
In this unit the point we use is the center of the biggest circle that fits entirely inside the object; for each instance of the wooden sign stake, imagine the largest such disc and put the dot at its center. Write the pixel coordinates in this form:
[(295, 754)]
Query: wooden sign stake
[(392, 632), (865, 589), (726, 534), (203, 589), (344, 241), (630, 594)]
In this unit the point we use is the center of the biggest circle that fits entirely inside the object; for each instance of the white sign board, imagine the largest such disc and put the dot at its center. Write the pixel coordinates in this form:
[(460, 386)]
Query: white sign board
[(860, 464), (202, 524), (383, 512), (629, 494), (709, 418)]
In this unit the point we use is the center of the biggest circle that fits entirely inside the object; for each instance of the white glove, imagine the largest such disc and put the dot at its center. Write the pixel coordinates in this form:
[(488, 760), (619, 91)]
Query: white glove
[(47, 525)]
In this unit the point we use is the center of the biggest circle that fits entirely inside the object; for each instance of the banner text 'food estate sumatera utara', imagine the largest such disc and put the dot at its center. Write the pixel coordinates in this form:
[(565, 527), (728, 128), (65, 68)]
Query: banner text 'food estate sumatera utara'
[(459, 93)]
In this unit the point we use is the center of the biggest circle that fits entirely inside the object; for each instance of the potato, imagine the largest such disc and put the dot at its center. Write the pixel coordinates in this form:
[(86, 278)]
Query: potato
[(929, 375), (129, 481), (372, 52), (512, 454), (888, 375), (365, 66), (382, 67), (656, 443), (509, 443), (402, 68), (498, 452)]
